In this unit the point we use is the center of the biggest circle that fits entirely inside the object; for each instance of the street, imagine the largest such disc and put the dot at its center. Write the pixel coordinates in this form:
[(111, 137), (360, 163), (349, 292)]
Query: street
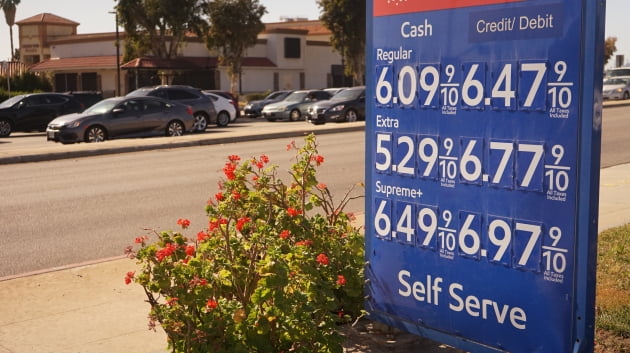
[(69, 211)]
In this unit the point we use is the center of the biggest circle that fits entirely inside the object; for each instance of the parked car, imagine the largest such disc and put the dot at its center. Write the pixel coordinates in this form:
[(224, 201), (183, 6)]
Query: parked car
[(123, 117), (32, 112), (229, 96), (617, 87), (347, 105), (223, 106), (87, 98), (294, 105), (254, 108), (203, 109)]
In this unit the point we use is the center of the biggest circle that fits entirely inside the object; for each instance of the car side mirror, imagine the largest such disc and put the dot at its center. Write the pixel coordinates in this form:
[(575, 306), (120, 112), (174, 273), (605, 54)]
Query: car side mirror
[(118, 110)]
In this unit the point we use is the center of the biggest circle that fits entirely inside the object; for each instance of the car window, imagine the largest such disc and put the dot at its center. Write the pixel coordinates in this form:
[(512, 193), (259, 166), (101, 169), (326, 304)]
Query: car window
[(131, 106), (101, 107), (162, 93), (54, 100), (152, 106), (178, 94)]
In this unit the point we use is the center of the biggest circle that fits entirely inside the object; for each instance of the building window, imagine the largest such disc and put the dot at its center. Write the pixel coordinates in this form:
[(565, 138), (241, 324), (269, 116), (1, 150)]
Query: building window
[(89, 81), (276, 81), (302, 80), (292, 48), (66, 82)]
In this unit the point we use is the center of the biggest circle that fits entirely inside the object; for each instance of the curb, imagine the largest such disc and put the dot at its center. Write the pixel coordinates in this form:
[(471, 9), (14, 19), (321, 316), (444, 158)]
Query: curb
[(132, 145)]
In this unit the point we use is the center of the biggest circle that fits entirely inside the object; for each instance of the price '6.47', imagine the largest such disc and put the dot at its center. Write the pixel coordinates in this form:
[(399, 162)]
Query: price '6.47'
[(523, 85)]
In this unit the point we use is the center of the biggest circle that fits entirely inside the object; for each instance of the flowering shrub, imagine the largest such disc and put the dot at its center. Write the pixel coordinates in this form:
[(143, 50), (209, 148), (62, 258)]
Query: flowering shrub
[(265, 275)]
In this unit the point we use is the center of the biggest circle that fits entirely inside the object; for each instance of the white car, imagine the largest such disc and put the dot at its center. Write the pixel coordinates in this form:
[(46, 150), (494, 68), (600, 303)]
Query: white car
[(617, 87), (222, 105)]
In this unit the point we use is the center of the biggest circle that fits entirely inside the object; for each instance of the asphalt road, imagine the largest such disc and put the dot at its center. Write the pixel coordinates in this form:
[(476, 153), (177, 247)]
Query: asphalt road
[(69, 211)]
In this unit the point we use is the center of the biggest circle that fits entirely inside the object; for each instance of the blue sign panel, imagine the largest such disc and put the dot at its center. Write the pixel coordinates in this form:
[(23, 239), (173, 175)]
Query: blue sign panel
[(481, 142)]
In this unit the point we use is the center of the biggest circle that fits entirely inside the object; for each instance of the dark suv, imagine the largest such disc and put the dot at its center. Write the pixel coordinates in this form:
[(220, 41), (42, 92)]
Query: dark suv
[(32, 112), (202, 106)]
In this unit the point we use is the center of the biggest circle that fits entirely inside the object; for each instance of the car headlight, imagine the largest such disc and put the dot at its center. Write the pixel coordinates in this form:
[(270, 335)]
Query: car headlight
[(74, 124), (619, 90), (337, 108)]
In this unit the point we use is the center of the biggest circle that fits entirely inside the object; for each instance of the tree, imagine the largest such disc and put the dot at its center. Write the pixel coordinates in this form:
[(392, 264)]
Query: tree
[(346, 20), (234, 26), (610, 47), (9, 8), (159, 27)]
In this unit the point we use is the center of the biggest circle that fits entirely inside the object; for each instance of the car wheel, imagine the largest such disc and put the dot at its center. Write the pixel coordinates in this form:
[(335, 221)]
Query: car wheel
[(5, 128), (351, 115), (295, 115), (223, 119), (626, 95), (175, 128), (201, 122), (95, 134)]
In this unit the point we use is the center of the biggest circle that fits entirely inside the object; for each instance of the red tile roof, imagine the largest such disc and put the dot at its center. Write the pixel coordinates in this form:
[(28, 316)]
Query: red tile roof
[(47, 18), (190, 63), (87, 62)]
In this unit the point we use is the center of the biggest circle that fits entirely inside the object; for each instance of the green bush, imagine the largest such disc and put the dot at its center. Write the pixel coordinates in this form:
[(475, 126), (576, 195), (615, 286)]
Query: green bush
[(27, 82), (264, 276)]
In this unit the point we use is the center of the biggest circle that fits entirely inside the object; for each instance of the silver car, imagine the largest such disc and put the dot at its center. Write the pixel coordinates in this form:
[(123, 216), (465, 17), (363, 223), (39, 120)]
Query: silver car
[(617, 87), (123, 117)]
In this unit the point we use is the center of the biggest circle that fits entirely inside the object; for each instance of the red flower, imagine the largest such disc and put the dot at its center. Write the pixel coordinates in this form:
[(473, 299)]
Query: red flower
[(183, 222), (141, 240), (293, 212), (229, 169), (341, 280), (285, 234), (291, 145), (129, 276), (234, 158), (241, 223), (307, 242), (264, 158), (236, 195), (323, 259), (219, 196), (190, 250), (321, 186), (319, 159), (255, 178), (165, 252), (201, 236), (212, 304), (172, 301)]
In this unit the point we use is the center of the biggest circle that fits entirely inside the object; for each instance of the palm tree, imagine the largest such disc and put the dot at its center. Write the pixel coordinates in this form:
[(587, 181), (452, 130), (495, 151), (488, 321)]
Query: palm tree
[(9, 7)]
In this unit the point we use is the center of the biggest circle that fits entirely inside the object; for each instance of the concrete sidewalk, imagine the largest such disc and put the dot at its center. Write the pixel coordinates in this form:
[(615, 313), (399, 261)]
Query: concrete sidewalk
[(88, 308)]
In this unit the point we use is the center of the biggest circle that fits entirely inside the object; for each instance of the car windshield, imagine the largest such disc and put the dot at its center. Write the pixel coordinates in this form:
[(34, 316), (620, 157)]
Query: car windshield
[(619, 72), (296, 97), (102, 107), (348, 94), (276, 95), (616, 81), (10, 102)]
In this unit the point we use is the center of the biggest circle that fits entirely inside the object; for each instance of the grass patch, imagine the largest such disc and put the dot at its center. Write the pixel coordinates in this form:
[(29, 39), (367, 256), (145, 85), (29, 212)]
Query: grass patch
[(613, 289)]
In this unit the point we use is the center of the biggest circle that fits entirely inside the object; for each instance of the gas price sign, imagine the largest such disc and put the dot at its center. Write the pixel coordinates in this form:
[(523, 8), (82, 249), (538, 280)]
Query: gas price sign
[(481, 142)]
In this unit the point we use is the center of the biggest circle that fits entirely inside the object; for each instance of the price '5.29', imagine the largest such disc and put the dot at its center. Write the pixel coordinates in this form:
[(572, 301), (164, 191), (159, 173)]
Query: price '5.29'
[(519, 165), (524, 85)]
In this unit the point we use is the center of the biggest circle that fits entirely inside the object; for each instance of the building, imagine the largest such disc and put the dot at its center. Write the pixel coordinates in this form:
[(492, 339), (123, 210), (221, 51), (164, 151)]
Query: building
[(288, 55)]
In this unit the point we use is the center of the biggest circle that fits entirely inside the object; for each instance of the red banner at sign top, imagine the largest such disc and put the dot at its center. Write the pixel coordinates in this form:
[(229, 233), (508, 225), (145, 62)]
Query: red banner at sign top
[(397, 7)]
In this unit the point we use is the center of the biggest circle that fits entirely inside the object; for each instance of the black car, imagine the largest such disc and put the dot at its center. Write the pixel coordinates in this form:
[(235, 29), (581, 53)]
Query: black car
[(32, 112), (122, 117), (347, 105), (254, 108), (203, 108)]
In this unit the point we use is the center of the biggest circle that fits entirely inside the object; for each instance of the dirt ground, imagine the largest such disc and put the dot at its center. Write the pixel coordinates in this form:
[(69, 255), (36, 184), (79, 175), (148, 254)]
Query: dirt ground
[(373, 337)]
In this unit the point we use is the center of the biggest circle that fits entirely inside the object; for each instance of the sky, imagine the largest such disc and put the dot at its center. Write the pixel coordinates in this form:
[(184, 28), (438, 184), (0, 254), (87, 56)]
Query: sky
[(93, 17)]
